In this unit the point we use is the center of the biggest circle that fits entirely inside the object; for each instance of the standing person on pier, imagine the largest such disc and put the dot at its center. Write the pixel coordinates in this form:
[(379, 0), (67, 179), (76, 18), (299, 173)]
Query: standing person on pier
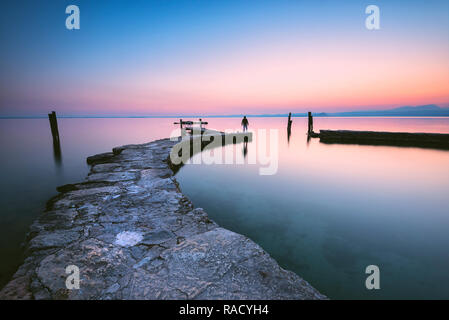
[(245, 124)]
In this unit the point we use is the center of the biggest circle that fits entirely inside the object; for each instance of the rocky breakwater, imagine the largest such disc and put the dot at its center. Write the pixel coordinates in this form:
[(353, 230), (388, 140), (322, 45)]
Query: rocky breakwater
[(134, 235)]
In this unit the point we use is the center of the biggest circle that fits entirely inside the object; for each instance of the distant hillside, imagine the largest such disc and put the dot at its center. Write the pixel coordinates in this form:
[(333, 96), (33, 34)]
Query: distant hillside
[(430, 110)]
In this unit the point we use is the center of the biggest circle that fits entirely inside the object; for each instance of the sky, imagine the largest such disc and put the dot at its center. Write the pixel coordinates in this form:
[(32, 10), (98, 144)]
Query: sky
[(218, 57)]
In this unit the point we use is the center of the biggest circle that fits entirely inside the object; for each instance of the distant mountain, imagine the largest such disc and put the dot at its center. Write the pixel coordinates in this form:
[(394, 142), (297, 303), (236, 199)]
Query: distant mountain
[(428, 107), (430, 110)]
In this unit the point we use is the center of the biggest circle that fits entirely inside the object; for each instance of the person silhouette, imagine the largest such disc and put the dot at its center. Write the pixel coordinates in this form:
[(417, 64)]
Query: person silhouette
[(245, 124)]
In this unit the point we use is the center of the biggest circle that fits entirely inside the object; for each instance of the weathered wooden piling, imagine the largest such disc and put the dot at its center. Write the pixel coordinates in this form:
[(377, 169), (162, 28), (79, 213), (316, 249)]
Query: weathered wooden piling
[(54, 127), (310, 129)]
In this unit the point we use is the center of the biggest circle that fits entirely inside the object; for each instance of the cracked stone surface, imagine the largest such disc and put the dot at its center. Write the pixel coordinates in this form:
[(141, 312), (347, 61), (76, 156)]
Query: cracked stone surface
[(134, 235)]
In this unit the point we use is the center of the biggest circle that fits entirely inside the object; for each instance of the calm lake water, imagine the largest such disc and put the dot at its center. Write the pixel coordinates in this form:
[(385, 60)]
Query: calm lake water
[(328, 212)]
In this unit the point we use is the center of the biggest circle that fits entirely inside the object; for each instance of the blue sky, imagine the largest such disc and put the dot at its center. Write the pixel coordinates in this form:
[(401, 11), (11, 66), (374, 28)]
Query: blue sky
[(219, 57)]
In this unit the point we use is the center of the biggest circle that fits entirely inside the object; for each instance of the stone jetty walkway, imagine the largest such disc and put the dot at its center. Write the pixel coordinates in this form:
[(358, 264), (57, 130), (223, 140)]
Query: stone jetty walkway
[(134, 235)]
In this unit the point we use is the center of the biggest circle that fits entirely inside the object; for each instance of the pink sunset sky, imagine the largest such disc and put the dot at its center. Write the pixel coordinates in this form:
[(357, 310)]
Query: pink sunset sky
[(271, 57)]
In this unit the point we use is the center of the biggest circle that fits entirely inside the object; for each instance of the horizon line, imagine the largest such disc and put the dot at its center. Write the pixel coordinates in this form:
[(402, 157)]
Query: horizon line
[(219, 116), (358, 113)]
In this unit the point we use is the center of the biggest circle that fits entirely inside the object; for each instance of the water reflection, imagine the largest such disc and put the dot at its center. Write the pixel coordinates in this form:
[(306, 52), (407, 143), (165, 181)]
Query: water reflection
[(245, 149), (57, 154), (32, 167), (332, 210), (329, 211)]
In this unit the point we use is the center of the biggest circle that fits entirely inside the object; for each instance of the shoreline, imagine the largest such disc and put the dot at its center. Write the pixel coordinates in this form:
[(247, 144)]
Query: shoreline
[(134, 235)]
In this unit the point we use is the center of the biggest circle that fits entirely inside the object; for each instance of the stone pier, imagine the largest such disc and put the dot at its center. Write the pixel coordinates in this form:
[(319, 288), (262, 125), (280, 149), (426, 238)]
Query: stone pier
[(134, 235)]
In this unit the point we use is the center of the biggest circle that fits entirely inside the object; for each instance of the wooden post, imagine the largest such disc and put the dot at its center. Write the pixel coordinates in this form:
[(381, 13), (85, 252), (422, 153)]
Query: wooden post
[(54, 127), (180, 123), (289, 120), (310, 131)]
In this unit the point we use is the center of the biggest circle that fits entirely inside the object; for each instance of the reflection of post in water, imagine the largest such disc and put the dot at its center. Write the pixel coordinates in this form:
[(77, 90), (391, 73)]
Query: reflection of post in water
[(245, 148), (57, 152)]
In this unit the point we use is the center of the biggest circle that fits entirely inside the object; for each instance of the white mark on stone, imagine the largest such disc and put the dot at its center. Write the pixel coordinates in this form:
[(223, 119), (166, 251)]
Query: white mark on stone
[(107, 198), (128, 238)]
